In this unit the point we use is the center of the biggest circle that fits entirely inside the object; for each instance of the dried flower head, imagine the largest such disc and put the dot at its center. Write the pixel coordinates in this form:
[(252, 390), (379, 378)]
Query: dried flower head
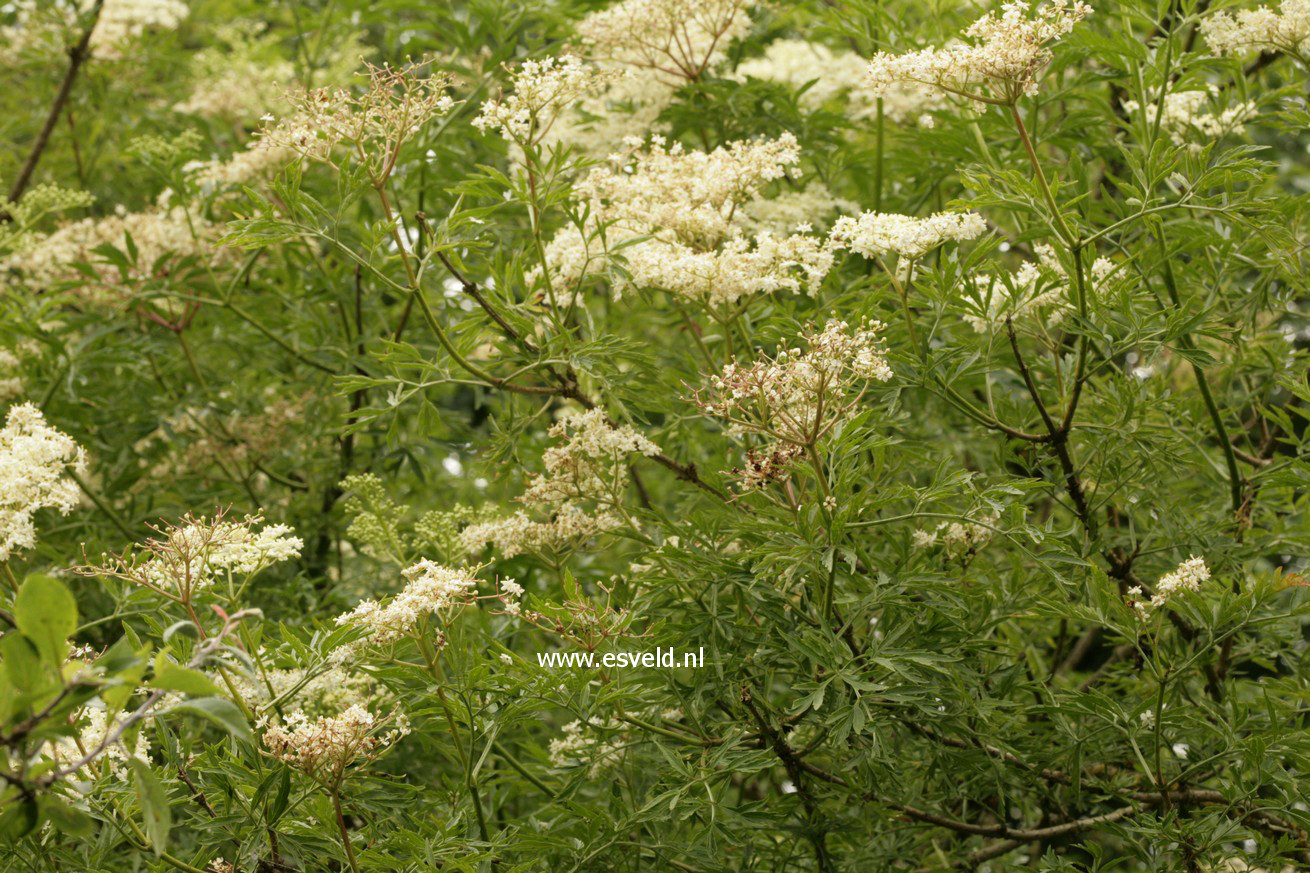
[(324, 748), (190, 556), (394, 104), (1002, 63), (35, 465), (681, 38), (799, 396)]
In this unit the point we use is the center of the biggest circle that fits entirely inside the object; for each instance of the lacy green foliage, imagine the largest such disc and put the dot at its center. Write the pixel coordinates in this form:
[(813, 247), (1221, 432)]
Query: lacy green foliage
[(963, 429)]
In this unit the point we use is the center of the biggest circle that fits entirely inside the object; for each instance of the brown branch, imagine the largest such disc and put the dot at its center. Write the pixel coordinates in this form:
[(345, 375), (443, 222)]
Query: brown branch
[(77, 56)]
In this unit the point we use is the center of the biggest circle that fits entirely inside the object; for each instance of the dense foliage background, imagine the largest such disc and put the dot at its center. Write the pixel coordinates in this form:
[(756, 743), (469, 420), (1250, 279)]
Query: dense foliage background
[(963, 427)]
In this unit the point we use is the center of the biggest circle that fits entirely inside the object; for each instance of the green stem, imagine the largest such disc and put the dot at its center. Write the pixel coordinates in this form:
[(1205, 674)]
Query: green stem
[(1235, 481), (1060, 226)]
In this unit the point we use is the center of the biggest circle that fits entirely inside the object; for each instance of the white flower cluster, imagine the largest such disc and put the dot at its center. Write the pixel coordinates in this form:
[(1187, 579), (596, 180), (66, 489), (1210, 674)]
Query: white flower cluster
[(1188, 112), (1007, 53), (42, 26), (542, 90), (1034, 287), (959, 539), (93, 725), (691, 194), (575, 745), (329, 689), (832, 75), (324, 747), (692, 207), (430, 588), (1187, 577), (591, 464), (122, 21), (239, 80), (156, 233), (879, 234), (35, 460), (239, 168), (682, 38), (190, 556), (395, 104), (798, 396), (568, 526), (1260, 29)]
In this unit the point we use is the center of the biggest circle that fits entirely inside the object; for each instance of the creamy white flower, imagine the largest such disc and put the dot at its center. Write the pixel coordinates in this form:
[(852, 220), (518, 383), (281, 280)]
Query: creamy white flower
[(1006, 56), (679, 37), (35, 462), (1191, 112), (324, 747), (542, 90), (431, 588), (1260, 29), (877, 234)]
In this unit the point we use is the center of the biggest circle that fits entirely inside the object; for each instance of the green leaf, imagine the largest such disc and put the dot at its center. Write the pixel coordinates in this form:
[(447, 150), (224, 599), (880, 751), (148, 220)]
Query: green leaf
[(46, 613), (223, 713), (64, 818), (172, 676), (155, 811)]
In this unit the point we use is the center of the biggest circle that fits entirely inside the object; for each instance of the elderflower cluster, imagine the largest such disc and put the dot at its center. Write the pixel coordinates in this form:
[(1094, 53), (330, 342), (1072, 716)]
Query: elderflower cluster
[(429, 589), (395, 104), (322, 748), (830, 75), (1188, 112), (568, 526), (542, 90), (240, 79), (591, 464), (1260, 29), (329, 689), (1187, 577), (35, 461), (42, 25), (686, 207), (958, 539), (682, 38), (188, 557), (156, 233), (798, 396), (1032, 288), (238, 169), (575, 746), (1006, 56), (880, 234), (691, 194), (93, 725)]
